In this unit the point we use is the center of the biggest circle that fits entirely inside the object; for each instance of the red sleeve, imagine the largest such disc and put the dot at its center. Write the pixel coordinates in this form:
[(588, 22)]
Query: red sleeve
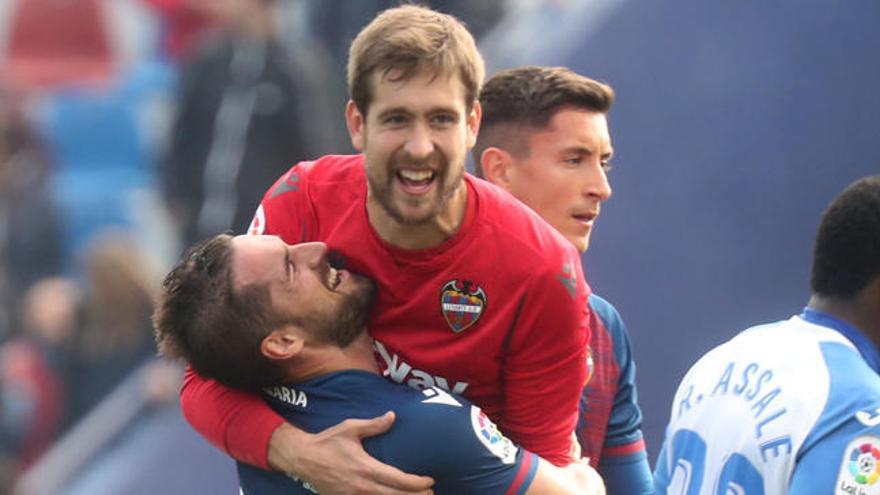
[(235, 422), (546, 366)]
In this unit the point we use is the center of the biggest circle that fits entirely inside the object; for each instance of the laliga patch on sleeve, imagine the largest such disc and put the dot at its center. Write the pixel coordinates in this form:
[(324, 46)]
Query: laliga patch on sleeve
[(258, 224), (860, 467), (491, 438)]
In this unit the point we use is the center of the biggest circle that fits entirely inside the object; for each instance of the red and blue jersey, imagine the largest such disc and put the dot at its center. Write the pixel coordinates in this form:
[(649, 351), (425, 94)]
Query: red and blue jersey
[(434, 434), (497, 313), (609, 427)]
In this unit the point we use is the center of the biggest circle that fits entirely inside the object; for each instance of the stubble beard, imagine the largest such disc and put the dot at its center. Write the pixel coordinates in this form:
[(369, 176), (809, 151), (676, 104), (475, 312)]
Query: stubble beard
[(446, 184), (349, 321)]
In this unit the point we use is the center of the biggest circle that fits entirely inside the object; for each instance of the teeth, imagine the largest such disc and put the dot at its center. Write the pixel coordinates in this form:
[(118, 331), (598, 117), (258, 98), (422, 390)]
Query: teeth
[(332, 278), (416, 175)]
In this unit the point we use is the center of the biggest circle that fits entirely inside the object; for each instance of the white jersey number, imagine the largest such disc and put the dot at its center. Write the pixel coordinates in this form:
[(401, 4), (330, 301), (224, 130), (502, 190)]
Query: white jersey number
[(685, 462)]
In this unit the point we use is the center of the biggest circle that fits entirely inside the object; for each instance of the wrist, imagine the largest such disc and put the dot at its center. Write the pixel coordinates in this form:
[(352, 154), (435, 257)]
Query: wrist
[(285, 444)]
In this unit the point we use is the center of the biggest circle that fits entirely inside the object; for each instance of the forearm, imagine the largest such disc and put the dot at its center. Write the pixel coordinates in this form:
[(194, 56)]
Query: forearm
[(282, 456), (238, 423), (628, 474), (577, 478)]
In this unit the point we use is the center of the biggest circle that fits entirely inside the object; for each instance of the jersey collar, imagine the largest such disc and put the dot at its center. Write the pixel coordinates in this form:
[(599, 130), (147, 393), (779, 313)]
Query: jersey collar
[(866, 348)]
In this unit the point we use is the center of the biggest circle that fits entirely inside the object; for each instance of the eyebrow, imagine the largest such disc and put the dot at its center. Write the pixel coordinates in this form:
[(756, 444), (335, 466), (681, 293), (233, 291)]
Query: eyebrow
[(393, 111), (583, 150)]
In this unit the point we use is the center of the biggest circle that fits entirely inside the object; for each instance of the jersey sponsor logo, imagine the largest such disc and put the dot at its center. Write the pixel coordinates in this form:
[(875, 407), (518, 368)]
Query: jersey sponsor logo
[(568, 279), (439, 396), (860, 467), (462, 302), (258, 224), (488, 434), (290, 183), (400, 371)]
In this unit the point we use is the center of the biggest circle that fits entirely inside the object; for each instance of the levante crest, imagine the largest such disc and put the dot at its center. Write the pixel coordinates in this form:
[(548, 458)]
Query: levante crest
[(461, 302)]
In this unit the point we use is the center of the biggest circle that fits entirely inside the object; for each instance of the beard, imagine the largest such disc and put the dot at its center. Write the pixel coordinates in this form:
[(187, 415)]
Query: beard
[(349, 320), (448, 180)]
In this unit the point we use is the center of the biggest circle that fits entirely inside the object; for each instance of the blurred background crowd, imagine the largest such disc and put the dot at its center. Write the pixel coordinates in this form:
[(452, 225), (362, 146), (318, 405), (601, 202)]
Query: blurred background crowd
[(131, 128)]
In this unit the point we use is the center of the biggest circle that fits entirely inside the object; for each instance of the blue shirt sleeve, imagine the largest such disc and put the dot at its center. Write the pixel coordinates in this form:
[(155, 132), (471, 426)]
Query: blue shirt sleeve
[(841, 454), (453, 441), (624, 462)]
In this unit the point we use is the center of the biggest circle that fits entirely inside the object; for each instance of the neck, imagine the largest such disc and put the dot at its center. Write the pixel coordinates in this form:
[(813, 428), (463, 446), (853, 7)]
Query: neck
[(326, 359), (861, 311), (422, 235)]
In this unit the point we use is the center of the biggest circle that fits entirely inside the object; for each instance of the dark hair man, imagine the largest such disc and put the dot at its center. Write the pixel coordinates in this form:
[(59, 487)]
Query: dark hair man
[(793, 406), (544, 138), (254, 312)]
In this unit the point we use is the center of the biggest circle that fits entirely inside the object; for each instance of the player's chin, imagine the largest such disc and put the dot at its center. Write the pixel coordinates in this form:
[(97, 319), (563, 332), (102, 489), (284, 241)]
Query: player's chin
[(579, 239)]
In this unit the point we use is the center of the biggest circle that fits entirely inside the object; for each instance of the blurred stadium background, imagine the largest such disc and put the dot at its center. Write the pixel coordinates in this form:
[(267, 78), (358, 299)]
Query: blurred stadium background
[(735, 123)]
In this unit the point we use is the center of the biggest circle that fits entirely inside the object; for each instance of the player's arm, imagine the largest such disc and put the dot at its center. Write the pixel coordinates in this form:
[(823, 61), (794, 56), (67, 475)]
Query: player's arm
[(843, 460), (236, 422), (546, 361), (577, 478), (624, 462), (455, 442)]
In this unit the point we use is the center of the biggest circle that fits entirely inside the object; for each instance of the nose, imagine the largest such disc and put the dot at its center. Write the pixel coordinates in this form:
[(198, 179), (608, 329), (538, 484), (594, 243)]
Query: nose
[(596, 183), (310, 254), (419, 143)]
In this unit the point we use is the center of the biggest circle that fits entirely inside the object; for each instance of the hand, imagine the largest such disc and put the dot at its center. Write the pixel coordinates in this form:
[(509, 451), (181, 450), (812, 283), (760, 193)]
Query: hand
[(334, 461)]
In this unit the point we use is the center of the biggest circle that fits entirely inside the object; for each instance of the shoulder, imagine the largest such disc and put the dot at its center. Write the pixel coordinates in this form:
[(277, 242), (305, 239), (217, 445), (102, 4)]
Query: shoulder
[(451, 437), (419, 407), (514, 223), (607, 313), (517, 238), (314, 174), (293, 202)]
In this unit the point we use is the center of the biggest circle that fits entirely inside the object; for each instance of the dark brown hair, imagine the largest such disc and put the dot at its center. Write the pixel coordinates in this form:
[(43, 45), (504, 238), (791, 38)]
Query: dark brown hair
[(201, 319), (524, 99)]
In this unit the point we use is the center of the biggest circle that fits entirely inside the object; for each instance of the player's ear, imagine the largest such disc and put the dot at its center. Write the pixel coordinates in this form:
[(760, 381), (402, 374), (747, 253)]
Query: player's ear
[(355, 121), (473, 123), (282, 343), (496, 164)]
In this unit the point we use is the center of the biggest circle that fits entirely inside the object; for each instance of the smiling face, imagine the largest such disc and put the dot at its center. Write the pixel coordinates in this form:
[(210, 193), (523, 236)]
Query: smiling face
[(332, 305), (415, 137), (563, 174)]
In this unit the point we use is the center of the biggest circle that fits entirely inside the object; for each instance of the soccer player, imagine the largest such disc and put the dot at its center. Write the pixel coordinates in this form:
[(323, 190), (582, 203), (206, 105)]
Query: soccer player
[(793, 407), (476, 294), (544, 138), (254, 312)]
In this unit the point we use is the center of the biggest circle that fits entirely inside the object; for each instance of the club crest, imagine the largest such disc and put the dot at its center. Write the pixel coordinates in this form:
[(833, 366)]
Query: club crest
[(461, 302)]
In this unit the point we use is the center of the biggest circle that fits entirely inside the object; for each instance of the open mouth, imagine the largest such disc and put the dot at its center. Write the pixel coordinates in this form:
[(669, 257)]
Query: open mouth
[(416, 181)]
